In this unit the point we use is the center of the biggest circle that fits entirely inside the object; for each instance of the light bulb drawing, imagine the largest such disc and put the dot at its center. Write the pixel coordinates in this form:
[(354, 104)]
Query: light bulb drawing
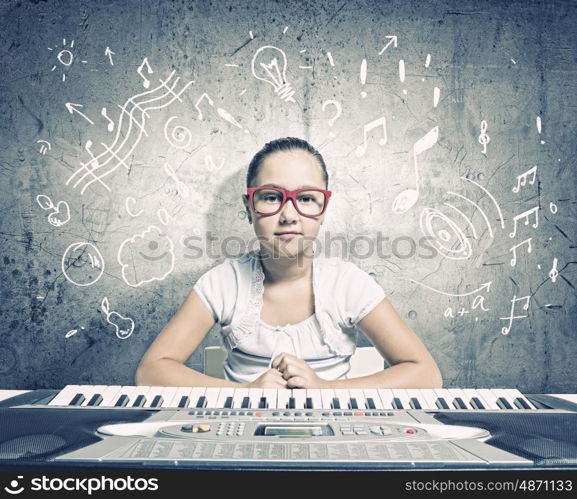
[(269, 64)]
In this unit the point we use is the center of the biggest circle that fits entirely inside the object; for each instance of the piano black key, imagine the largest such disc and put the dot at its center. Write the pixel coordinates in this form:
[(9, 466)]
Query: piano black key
[(475, 402), (397, 404), (157, 401), (503, 403), (459, 404), (441, 403), (309, 403), (414, 403), (263, 404), (370, 403), (292, 403), (183, 402), (353, 403), (122, 401), (78, 399), (228, 403), (245, 403), (95, 400), (521, 403), (201, 404), (140, 401), (335, 404)]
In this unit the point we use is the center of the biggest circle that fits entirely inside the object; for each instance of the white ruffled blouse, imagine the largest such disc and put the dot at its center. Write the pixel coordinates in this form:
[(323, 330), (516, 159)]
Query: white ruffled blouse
[(343, 294)]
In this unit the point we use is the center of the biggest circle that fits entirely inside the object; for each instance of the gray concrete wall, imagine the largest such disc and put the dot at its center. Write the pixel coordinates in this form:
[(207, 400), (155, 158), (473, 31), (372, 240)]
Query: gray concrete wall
[(170, 158)]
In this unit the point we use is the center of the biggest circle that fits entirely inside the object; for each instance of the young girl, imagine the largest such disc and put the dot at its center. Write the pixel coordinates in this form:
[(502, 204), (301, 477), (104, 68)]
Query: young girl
[(289, 318)]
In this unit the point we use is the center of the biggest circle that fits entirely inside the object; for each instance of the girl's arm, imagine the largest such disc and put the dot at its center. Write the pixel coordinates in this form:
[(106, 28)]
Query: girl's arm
[(163, 362), (412, 366)]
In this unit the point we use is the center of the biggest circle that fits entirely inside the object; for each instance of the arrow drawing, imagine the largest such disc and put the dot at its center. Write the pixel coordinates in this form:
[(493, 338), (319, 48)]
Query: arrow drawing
[(486, 286), (393, 40), (72, 109)]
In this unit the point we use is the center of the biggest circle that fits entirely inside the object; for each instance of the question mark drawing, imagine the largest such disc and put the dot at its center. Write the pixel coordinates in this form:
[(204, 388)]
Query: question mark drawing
[(339, 110)]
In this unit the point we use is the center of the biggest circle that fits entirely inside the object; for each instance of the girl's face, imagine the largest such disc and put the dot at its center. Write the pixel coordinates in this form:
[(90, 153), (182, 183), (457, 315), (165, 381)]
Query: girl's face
[(288, 170)]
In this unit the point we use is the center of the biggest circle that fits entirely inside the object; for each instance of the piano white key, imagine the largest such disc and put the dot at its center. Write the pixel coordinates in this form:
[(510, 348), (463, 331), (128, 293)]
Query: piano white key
[(138, 390), (255, 394), (300, 396), (458, 393), (359, 396), (283, 398), (315, 395), (127, 390), (386, 395), (513, 393), (503, 394), (471, 393), (271, 397), (327, 396), (225, 393), (401, 394), (108, 395), (343, 396), (413, 393), (427, 398), (64, 397), (372, 393), (181, 391), (446, 395), (239, 395), (167, 394), (490, 398), (211, 395), (89, 391)]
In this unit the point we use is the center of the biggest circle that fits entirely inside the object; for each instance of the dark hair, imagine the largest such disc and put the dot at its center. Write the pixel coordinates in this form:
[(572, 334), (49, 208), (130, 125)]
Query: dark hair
[(284, 144)]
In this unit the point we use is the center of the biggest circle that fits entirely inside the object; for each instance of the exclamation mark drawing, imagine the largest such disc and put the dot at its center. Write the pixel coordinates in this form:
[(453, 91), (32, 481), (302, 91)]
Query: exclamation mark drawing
[(402, 74), (363, 76), (539, 127)]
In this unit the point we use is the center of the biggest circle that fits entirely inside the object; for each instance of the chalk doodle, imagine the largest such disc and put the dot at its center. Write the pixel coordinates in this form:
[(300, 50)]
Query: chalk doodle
[(478, 302), (110, 126), (512, 316), (181, 188), (436, 96), (378, 123), (484, 139), (363, 76), (211, 165), (514, 250), (223, 113), (145, 80), (44, 147), (180, 136), (553, 208), (163, 216), (526, 214), (269, 64), (126, 140), (486, 286), (331, 60), (130, 201), (539, 126), (392, 41), (407, 198), (338, 112), (554, 273), (146, 257), (449, 239), (108, 53), (123, 326), (60, 213), (499, 211), (65, 57), (522, 179), (82, 264), (427, 60), (73, 108), (72, 332)]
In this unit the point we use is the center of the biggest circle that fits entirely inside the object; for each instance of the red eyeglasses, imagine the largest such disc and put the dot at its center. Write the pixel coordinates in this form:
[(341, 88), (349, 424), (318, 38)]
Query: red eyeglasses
[(269, 201)]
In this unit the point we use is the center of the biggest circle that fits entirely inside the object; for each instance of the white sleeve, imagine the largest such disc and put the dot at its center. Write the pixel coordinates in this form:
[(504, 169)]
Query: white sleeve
[(361, 294), (217, 290)]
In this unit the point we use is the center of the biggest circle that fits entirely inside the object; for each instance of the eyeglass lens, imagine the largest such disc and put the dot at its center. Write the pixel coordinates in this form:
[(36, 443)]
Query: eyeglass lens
[(308, 202)]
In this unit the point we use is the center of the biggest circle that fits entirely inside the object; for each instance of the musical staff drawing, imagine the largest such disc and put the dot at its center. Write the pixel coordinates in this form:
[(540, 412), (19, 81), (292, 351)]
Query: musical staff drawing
[(110, 126), (133, 117), (526, 215), (512, 316), (378, 123), (522, 179), (514, 250), (407, 198)]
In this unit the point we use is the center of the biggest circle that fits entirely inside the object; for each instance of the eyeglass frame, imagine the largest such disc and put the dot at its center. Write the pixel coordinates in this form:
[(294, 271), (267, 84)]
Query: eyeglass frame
[(286, 195)]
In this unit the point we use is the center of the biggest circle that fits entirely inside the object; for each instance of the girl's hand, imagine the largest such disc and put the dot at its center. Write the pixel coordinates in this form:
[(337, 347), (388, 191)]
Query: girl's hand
[(271, 378), (296, 372)]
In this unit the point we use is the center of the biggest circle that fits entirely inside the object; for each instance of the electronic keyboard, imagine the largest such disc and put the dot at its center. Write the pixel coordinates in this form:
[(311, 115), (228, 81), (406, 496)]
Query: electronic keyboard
[(157, 397)]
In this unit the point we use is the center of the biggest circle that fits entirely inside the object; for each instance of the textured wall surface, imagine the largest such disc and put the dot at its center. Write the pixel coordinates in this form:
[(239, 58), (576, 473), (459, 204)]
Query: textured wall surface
[(448, 129)]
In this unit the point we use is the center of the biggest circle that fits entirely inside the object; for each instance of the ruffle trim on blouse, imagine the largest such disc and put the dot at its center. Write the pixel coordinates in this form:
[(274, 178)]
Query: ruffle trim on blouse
[(236, 332)]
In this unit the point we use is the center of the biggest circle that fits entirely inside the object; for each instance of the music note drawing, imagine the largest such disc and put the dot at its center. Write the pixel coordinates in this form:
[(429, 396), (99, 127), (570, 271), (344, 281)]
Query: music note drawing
[(379, 122), (146, 81), (407, 199)]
